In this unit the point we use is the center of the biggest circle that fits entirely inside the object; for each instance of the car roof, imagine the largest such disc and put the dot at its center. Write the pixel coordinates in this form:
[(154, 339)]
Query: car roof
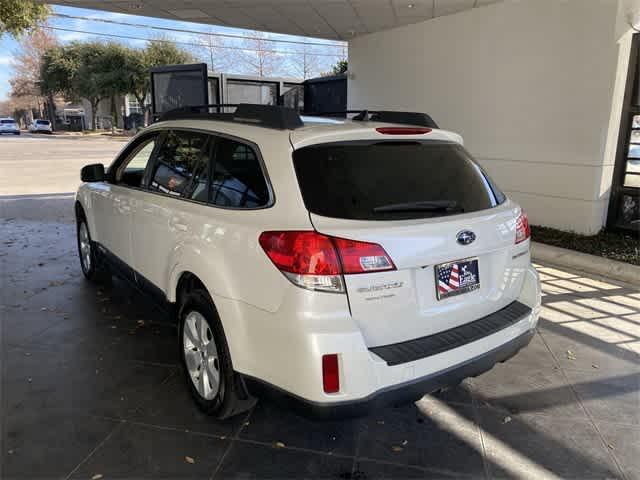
[(315, 130)]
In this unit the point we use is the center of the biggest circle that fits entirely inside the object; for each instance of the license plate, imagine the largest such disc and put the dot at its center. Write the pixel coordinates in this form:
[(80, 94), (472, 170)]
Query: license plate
[(456, 278)]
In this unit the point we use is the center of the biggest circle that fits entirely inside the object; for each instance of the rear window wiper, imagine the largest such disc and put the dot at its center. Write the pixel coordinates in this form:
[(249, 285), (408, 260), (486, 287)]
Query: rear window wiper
[(449, 206)]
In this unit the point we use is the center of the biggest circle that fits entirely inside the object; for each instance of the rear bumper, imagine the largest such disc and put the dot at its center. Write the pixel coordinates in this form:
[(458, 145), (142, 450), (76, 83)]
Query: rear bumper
[(396, 395), (280, 353)]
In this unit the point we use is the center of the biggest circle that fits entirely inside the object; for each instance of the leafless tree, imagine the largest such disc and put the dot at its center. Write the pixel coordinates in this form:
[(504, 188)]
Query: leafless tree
[(214, 50), (305, 63), (260, 57), (25, 89)]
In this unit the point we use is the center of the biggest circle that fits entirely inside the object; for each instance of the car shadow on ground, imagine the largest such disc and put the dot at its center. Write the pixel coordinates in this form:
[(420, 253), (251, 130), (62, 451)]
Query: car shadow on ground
[(91, 385)]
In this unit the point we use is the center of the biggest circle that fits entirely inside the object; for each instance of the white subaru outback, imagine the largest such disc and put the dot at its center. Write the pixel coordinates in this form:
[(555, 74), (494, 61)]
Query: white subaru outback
[(339, 265)]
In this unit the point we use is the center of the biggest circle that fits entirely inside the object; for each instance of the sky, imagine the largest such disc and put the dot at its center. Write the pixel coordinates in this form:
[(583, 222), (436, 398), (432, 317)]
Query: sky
[(9, 46)]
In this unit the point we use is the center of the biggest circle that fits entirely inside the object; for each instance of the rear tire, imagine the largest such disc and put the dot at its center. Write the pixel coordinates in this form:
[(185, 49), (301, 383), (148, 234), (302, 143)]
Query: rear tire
[(205, 355), (92, 266)]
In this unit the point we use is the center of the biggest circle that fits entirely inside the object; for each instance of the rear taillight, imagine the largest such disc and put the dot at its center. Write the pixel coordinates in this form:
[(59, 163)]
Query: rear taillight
[(330, 373), (403, 130), (317, 262), (362, 257), (523, 231)]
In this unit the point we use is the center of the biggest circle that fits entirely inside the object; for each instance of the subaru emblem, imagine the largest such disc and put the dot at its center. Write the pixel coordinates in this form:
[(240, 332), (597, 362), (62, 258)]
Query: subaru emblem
[(466, 237)]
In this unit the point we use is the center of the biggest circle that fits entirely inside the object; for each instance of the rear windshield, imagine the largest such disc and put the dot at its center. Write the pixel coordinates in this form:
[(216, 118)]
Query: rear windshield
[(42, 122), (5, 121), (392, 180)]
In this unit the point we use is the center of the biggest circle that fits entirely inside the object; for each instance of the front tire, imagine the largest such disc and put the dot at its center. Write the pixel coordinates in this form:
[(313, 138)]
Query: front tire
[(92, 269), (205, 355)]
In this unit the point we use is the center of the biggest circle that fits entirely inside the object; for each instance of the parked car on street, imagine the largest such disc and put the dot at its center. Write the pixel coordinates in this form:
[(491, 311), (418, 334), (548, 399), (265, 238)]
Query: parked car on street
[(9, 125), (336, 265), (40, 126)]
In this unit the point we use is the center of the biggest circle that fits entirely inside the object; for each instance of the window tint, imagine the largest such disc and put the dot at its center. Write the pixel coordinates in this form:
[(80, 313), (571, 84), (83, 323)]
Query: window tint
[(391, 180), (131, 172), (7, 121), (181, 159), (238, 180)]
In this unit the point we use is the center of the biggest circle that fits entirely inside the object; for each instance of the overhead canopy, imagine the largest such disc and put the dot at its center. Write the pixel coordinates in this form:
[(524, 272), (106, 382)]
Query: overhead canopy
[(331, 19)]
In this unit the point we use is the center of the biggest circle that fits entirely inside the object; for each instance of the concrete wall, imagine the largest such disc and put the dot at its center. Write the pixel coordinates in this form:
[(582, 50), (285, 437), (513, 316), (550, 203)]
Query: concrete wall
[(528, 83)]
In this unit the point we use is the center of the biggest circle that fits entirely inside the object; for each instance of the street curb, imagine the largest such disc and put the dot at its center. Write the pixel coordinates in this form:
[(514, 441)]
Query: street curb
[(613, 269)]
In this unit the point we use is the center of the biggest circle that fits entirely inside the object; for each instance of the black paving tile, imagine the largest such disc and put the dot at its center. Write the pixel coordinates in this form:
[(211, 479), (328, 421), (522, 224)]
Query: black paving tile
[(568, 449), (48, 381), (524, 388), (624, 443), (270, 423), (253, 461), (455, 394), (136, 451), (369, 470), (171, 405), (18, 327), (609, 396), (587, 350), (536, 353), (405, 436), (41, 445)]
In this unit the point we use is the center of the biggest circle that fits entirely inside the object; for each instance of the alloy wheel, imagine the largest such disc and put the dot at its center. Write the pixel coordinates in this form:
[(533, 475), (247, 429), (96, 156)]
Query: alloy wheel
[(201, 355)]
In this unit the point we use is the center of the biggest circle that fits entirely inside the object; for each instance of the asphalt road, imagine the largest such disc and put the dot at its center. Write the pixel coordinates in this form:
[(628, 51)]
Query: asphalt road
[(37, 164)]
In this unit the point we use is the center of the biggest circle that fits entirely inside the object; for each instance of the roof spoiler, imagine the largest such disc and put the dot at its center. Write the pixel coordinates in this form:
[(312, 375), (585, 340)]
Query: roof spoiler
[(384, 116), (268, 116)]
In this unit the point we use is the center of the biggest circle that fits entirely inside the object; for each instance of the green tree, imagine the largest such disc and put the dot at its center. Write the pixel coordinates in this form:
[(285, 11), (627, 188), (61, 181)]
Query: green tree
[(340, 67), (20, 16), (58, 70), (90, 70), (158, 52), (113, 73)]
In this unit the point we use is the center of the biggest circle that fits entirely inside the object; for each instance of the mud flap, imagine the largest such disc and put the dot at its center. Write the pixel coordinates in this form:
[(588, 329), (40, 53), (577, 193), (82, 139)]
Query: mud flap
[(242, 402)]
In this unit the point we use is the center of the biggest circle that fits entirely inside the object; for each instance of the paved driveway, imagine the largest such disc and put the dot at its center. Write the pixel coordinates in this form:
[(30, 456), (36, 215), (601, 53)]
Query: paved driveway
[(90, 385)]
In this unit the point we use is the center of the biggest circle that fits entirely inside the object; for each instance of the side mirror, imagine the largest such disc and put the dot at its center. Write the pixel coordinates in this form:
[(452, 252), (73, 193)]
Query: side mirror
[(93, 173)]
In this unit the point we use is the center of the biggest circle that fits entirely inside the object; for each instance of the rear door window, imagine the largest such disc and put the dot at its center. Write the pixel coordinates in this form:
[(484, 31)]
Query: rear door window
[(392, 180), (182, 156), (238, 179)]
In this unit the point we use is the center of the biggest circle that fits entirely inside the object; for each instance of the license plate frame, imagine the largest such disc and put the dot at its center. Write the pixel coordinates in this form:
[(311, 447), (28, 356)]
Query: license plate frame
[(468, 278)]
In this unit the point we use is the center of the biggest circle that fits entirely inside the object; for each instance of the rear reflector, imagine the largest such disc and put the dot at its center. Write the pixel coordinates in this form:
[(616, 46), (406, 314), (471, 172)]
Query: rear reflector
[(330, 373), (403, 130), (317, 262), (523, 230)]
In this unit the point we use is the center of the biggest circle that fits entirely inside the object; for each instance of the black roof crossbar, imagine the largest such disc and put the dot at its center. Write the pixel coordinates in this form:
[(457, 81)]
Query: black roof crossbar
[(268, 116), (384, 116)]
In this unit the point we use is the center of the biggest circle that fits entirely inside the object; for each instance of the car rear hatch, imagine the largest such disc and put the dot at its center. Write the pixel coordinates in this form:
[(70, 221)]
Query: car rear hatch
[(448, 231)]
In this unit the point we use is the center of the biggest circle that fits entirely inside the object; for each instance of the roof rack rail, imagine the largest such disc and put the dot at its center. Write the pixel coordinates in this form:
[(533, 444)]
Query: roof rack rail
[(384, 116), (268, 116)]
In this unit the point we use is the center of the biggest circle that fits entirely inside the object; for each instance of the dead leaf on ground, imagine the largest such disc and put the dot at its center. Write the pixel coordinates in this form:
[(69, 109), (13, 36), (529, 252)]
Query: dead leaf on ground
[(395, 448), (279, 445), (189, 460), (97, 476), (506, 419), (571, 355)]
